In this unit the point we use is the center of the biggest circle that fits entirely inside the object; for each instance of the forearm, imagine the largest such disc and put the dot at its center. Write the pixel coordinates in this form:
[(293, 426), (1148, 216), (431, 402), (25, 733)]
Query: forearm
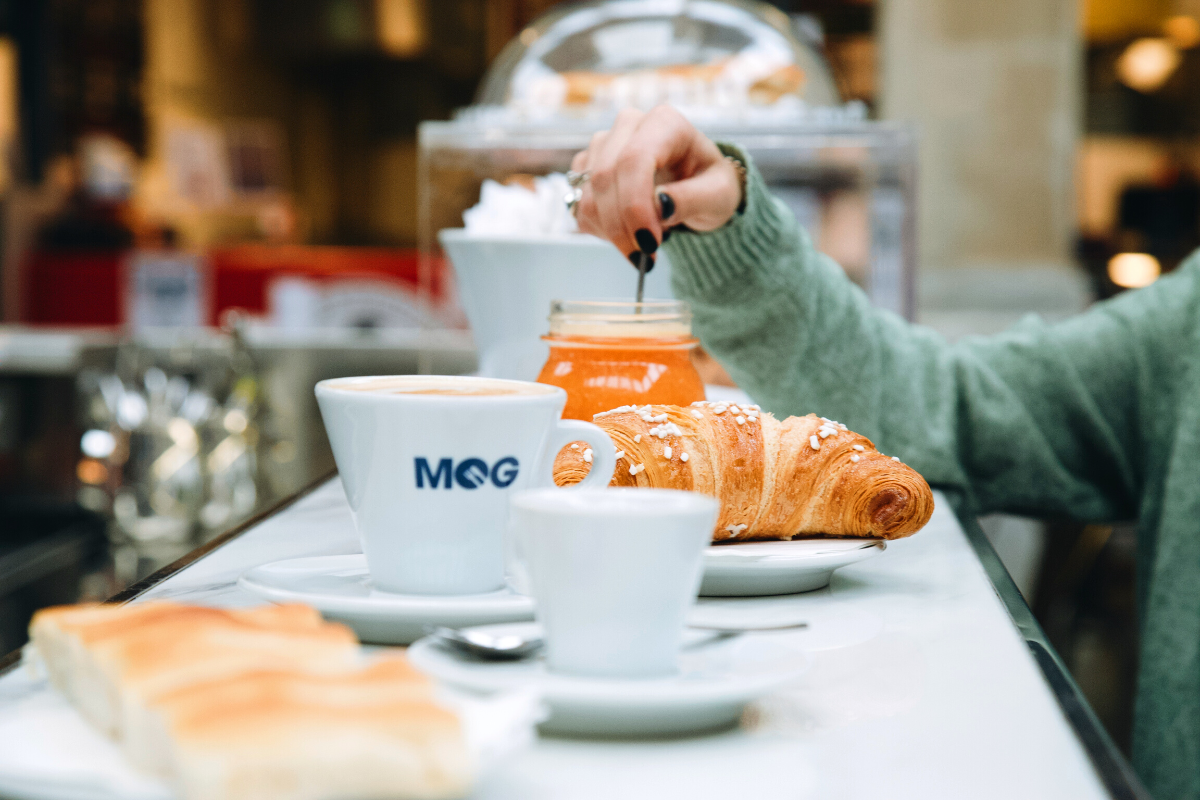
[(1040, 418), (790, 327)]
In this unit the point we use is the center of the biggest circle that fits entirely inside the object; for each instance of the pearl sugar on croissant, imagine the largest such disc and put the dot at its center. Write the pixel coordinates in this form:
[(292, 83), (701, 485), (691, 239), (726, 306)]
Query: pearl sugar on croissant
[(801, 476)]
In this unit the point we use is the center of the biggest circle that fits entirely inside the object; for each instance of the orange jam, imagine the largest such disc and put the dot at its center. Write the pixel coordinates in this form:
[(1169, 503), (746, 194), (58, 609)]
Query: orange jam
[(609, 353)]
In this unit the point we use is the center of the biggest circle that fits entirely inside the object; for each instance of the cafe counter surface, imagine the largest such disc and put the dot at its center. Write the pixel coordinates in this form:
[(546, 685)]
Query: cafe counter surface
[(928, 679)]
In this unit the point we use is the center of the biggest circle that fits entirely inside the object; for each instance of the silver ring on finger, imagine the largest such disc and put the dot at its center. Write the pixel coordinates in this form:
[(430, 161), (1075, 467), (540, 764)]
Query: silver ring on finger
[(572, 199), (575, 180)]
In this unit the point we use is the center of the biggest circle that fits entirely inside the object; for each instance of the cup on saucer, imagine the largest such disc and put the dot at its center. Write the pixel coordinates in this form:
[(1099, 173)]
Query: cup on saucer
[(429, 462), (613, 573)]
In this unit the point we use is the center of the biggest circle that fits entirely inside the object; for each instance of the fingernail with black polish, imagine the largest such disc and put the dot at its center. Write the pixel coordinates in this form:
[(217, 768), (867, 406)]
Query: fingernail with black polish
[(667, 204), (666, 234), (646, 240), (636, 257)]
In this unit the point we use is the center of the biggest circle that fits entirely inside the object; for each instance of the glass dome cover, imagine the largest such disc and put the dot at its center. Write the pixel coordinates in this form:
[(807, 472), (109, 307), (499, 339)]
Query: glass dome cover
[(705, 57)]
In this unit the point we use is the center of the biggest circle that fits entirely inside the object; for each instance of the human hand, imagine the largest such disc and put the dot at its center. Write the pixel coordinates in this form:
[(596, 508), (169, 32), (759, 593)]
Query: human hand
[(650, 172)]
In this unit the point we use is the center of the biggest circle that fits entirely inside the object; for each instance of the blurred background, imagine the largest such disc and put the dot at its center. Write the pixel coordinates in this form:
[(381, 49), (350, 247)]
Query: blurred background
[(208, 205)]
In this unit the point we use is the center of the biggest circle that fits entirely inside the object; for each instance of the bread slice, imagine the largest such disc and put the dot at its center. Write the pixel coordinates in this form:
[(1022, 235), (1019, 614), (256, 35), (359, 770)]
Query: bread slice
[(269, 703), (61, 636), (291, 749), (106, 659), (151, 664), (149, 729)]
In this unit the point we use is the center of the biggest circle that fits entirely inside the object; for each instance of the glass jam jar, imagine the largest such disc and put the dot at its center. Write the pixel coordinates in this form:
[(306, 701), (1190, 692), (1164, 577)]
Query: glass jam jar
[(610, 353)]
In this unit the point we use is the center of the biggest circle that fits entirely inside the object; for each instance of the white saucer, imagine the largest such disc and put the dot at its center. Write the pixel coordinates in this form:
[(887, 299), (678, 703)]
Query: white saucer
[(340, 588), (48, 751), (715, 683), (753, 569)]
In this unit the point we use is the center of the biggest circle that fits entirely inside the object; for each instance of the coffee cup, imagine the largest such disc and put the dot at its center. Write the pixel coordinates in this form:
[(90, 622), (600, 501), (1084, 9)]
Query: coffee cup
[(613, 573), (429, 463)]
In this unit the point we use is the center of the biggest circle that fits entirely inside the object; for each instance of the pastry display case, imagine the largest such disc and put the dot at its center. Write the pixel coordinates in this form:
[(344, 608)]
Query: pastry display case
[(738, 70)]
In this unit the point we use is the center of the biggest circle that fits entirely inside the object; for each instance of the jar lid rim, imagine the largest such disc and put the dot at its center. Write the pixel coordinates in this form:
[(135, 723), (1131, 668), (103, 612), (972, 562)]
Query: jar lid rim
[(621, 318), (619, 307)]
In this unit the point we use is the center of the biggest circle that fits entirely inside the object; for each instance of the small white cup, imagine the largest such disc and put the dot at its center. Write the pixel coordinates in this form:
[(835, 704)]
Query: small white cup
[(429, 462), (613, 572)]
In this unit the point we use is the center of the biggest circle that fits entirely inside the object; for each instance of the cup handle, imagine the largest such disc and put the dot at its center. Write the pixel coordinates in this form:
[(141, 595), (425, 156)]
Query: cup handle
[(604, 459)]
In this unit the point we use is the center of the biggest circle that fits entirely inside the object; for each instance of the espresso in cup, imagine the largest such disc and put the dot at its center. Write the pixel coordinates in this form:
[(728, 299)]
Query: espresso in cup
[(428, 464)]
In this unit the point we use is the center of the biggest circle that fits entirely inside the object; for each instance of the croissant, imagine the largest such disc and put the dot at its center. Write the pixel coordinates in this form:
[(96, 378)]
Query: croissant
[(775, 480)]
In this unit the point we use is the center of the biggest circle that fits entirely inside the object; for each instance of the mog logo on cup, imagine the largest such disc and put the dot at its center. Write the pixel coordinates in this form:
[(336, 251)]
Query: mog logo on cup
[(471, 473), (402, 442)]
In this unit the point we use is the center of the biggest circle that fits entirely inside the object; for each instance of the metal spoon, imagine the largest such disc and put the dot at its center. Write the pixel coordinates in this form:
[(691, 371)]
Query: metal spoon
[(511, 646), (504, 647), (641, 286)]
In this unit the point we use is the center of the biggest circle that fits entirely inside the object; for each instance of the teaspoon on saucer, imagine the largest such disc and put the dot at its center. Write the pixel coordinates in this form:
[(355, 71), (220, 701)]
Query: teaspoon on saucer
[(501, 647), (510, 646)]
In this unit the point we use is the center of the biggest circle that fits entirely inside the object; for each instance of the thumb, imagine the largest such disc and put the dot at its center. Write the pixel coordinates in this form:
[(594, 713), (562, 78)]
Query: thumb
[(703, 202)]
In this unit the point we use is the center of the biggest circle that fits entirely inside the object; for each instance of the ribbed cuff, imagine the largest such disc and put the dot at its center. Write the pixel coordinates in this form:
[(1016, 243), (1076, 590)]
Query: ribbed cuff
[(701, 263)]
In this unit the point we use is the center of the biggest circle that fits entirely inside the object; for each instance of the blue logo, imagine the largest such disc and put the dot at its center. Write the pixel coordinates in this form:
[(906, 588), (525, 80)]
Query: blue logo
[(471, 473)]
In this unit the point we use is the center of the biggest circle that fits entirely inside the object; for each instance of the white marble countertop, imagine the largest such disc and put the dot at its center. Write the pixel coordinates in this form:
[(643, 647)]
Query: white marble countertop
[(921, 686)]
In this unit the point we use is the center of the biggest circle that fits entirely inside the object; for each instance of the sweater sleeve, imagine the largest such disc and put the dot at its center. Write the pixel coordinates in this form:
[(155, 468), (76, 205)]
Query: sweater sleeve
[(1041, 419)]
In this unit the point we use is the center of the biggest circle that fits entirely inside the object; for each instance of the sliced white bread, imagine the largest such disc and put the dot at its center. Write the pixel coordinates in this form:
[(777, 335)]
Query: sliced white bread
[(150, 729), (287, 749), (269, 703), (106, 658)]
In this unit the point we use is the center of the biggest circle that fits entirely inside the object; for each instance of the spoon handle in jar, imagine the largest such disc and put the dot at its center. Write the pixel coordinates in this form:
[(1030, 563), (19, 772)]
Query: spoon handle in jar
[(641, 287)]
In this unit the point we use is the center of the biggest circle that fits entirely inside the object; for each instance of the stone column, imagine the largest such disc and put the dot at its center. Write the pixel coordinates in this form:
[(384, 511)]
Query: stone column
[(996, 90)]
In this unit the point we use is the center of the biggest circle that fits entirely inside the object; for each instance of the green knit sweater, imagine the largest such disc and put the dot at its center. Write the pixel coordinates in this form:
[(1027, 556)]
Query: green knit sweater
[(1096, 418)]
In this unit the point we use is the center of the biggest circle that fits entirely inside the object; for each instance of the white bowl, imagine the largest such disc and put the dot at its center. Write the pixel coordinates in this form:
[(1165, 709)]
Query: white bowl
[(507, 282)]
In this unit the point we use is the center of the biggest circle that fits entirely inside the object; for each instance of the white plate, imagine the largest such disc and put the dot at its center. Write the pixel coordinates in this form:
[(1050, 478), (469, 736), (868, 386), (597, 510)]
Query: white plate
[(48, 752), (753, 569), (714, 685), (340, 588)]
